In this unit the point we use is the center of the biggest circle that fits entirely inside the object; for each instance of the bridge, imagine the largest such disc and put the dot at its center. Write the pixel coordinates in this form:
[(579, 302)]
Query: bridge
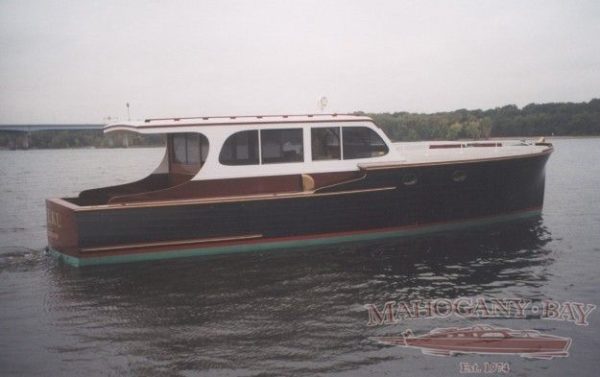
[(47, 127), (20, 134)]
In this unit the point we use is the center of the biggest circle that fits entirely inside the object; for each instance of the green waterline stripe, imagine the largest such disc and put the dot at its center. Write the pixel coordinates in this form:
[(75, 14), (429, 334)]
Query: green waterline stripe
[(288, 244)]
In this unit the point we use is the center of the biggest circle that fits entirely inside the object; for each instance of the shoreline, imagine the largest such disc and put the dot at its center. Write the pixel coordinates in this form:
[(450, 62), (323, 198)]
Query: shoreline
[(394, 141)]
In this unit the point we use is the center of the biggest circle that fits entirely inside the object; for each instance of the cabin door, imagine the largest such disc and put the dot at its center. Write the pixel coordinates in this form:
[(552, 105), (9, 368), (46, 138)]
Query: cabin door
[(187, 153)]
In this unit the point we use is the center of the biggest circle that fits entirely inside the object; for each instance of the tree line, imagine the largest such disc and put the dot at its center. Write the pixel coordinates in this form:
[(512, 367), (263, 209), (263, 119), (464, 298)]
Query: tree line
[(53, 139), (549, 119)]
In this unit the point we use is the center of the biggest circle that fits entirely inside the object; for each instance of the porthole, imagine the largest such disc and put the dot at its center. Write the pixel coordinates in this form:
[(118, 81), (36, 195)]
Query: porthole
[(459, 176), (409, 179)]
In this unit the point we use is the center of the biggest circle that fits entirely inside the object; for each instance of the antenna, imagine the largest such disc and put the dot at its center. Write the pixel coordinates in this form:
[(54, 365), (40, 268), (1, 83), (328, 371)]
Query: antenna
[(323, 103)]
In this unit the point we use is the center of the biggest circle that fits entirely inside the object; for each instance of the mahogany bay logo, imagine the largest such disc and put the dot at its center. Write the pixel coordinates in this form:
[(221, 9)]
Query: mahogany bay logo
[(481, 338)]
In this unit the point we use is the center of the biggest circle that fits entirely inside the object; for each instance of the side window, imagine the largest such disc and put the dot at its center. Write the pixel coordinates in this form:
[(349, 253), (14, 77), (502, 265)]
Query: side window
[(193, 149), (362, 142), (189, 148), (325, 143), (282, 145), (240, 148), (179, 149)]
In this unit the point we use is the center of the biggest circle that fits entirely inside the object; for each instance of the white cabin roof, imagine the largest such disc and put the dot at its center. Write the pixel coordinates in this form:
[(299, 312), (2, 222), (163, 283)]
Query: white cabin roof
[(165, 125)]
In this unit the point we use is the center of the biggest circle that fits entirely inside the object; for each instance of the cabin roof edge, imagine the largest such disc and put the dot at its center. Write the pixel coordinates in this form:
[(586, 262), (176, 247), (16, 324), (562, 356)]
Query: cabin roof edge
[(149, 124)]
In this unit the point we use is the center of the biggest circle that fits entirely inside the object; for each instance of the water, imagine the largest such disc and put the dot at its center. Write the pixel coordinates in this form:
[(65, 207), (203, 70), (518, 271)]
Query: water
[(296, 313)]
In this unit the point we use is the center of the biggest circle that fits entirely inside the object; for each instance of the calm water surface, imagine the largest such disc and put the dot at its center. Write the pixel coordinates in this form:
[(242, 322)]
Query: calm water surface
[(287, 313)]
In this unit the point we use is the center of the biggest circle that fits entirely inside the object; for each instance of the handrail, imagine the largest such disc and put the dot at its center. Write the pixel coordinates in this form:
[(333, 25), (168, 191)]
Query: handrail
[(148, 120)]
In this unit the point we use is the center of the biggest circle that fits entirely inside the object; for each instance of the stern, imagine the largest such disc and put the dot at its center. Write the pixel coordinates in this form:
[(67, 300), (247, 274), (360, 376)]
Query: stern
[(61, 227)]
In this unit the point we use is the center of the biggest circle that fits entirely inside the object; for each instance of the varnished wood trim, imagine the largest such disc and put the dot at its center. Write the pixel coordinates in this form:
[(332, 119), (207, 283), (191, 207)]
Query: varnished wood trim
[(400, 165), (64, 203), (170, 243), (228, 199), (464, 145), (342, 183), (61, 224), (308, 183)]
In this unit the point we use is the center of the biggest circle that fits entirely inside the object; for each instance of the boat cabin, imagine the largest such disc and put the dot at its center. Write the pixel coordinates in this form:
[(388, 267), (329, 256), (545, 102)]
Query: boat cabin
[(211, 157)]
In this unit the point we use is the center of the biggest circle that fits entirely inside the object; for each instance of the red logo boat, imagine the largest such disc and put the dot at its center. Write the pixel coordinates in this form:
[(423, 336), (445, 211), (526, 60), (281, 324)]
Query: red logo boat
[(484, 339)]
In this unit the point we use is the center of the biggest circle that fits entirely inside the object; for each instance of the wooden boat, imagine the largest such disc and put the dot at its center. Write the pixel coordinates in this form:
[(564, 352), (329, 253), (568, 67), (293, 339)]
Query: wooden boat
[(238, 184), (484, 339)]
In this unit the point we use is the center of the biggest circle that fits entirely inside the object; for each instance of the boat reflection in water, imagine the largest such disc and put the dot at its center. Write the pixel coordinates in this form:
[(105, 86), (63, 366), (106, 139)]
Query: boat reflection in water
[(484, 339), (287, 311)]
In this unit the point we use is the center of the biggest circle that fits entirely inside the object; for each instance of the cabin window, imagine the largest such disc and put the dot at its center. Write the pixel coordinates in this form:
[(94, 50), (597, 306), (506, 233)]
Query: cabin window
[(326, 143), (193, 149), (282, 145), (179, 152), (362, 142), (240, 148), (189, 148)]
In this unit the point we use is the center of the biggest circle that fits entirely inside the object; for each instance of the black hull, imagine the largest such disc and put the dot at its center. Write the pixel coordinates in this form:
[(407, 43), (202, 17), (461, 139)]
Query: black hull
[(396, 197)]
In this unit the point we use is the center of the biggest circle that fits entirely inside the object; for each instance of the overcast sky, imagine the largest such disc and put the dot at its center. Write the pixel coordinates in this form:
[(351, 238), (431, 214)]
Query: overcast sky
[(82, 61)]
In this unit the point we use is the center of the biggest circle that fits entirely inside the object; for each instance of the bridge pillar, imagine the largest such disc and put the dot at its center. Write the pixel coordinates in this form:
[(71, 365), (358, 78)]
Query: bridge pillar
[(26, 140), (12, 140), (18, 140)]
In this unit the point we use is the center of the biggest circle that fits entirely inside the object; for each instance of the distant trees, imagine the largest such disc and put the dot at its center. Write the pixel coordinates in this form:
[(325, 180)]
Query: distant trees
[(558, 119), (77, 139), (548, 119), (461, 124)]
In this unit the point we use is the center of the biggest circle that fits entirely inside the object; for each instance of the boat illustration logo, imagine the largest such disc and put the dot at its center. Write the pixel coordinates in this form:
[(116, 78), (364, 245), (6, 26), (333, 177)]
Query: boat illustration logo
[(483, 339)]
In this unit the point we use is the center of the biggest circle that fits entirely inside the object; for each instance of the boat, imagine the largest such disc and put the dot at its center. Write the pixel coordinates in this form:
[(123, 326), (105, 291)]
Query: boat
[(251, 183), (483, 339)]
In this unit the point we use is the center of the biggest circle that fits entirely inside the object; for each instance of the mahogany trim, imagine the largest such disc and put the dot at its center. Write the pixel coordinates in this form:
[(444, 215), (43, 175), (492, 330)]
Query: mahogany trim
[(445, 146), (399, 165), (64, 203), (170, 243), (490, 144), (61, 225), (210, 188), (464, 145), (341, 183), (227, 199)]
